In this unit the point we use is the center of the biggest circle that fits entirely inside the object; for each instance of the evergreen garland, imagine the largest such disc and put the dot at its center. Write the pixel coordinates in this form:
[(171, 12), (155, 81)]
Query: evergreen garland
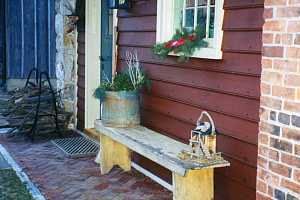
[(183, 43)]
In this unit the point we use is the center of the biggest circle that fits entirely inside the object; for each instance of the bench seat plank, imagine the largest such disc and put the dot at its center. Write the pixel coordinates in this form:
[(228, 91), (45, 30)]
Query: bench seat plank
[(156, 147)]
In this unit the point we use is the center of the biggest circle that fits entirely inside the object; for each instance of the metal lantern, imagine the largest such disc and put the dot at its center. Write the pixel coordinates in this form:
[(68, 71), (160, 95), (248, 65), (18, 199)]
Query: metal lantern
[(118, 4), (202, 140), (203, 137)]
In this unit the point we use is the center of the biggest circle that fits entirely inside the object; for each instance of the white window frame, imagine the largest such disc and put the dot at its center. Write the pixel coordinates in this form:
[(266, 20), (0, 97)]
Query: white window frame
[(165, 28)]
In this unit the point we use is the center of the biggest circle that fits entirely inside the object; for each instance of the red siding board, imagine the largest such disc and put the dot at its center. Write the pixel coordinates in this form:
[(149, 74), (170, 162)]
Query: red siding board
[(81, 50), (242, 41), (140, 8), (80, 59), (155, 102), (81, 71), (240, 63), (81, 79), (238, 171), (80, 103), (81, 94), (229, 89), (81, 37), (246, 86), (203, 98), (232, 190), (249, 19), (233, 41), (129, 24), (238, 4), (143, 39)]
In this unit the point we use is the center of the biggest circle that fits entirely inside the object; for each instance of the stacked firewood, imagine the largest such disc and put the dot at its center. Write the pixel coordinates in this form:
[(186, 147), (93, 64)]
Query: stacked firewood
[(34, 109)]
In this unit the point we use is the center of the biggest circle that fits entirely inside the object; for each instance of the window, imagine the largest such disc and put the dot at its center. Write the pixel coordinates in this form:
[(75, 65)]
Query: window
[(207, 14), (199, 13)]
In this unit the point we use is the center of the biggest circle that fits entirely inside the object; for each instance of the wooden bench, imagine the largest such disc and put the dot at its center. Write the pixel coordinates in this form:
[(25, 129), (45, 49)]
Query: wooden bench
[(191, 181)]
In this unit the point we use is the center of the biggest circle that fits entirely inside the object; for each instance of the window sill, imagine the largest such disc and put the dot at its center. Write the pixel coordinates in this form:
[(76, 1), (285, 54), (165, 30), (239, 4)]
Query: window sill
[(206, 53)]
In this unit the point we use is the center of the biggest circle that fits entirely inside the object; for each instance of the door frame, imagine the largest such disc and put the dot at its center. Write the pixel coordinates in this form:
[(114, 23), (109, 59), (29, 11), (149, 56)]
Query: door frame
[(92, 58)]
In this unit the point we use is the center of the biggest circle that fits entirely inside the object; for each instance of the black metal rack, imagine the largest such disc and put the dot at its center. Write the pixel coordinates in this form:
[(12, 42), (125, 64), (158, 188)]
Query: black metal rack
[(35, 108)]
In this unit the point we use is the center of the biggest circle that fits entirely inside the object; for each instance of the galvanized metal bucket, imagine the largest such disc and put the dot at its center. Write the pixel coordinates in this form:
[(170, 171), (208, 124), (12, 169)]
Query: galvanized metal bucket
[(121, 109)]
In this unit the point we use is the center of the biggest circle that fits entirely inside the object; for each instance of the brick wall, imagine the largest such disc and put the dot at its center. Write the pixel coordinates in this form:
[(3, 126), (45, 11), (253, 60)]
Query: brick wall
[(278, 175)]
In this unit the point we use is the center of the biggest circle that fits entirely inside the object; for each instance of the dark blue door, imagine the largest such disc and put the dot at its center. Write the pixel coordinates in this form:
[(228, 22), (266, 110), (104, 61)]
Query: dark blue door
[(30, 33), (2, 42), (106, 41)]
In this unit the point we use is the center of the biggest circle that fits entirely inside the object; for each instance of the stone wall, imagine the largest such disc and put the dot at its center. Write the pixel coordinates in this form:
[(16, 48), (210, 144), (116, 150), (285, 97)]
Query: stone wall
[(278, 175), (66, 56)]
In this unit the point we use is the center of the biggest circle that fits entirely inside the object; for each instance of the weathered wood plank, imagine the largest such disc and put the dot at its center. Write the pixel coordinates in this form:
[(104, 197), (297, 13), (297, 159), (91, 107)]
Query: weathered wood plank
[(13, 44), (155, 146), (113, 153), (198, 184), (30, 37), (2, 42), (42, 35), (29, 33)]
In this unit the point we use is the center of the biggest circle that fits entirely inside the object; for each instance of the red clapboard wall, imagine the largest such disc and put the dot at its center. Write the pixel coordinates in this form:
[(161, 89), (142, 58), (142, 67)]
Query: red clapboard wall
[(81, 79), (228, 89)]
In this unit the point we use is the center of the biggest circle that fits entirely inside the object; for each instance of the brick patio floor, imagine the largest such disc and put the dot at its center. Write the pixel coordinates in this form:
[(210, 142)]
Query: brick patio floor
[(60, 178)]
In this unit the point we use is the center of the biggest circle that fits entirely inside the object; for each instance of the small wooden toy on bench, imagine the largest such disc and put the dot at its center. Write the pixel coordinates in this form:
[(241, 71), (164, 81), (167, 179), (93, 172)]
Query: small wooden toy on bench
[(202, 142)]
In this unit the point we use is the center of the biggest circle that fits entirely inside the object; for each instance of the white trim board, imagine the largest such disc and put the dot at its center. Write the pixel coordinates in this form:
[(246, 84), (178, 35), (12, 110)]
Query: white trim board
[(114, 45), (92, 61), (92, 58)]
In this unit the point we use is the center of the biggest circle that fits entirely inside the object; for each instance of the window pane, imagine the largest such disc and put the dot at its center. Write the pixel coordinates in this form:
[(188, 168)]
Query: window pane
[(202, 2), (178, 13), (190, 3), (201, 18), (189, 18), (211, 23)]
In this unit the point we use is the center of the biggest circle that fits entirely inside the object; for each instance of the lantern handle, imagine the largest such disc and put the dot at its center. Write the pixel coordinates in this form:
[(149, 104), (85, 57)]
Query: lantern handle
[(210, 119)]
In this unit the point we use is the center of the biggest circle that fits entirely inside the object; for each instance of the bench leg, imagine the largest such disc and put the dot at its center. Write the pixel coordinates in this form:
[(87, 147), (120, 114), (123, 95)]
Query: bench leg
[(197, 184), (113, 153)]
